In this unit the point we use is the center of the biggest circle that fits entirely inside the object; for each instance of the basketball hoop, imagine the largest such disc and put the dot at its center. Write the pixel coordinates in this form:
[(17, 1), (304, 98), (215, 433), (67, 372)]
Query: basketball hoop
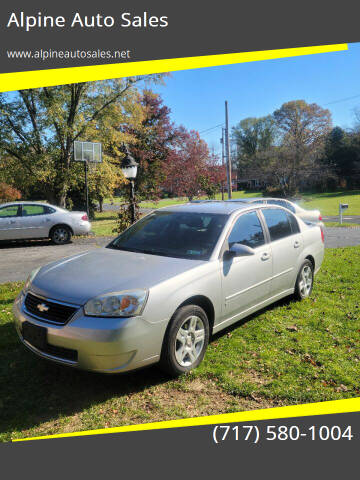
[(90, 153)]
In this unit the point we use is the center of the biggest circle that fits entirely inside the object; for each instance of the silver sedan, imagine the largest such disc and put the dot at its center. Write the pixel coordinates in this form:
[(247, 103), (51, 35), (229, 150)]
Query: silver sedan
[(30, 220), (159, 290)]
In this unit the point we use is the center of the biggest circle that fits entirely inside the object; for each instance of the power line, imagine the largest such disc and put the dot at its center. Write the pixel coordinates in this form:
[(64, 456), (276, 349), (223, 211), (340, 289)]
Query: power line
[(211, 128), (342, 100)]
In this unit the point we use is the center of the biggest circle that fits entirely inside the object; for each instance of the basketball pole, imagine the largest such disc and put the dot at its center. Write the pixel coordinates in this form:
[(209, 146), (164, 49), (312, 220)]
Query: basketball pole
[(86, 187)]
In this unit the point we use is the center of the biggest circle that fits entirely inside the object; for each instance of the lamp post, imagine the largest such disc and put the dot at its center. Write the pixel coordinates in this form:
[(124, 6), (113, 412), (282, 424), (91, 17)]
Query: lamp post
[(129, 169)]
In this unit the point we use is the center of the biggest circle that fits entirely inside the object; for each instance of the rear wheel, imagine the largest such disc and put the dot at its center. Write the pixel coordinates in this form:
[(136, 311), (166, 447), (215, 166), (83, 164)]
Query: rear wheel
[(304, 281), (185, 341), (60, 234)]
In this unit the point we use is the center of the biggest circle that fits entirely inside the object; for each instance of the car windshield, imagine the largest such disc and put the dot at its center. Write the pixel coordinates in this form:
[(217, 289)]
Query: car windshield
[(173, 234)]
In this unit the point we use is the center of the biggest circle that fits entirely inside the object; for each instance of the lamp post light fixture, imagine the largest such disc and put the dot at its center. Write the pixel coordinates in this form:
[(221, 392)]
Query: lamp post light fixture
[(129, 169)]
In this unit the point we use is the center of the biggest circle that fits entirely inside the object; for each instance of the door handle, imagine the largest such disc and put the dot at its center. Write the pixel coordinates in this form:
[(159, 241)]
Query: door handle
[(296, 244), (265, 256), (12, 221)]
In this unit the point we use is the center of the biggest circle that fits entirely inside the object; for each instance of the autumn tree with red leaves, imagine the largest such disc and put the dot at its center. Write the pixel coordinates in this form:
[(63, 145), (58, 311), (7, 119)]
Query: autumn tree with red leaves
[(155, 138), (190, 168), (8, 193)]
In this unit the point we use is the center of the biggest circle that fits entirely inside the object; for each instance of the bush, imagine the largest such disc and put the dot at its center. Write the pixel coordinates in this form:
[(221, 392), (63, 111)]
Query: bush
[(8, 193), (270, 191)]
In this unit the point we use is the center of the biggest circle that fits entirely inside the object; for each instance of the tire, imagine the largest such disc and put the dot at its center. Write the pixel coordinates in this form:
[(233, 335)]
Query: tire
[(305, 281), (60, 234), (184, 349)]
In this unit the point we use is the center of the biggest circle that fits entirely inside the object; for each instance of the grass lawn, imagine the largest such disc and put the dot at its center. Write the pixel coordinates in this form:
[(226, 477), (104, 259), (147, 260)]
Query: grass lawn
[(104, 223), (328, 203), (286, 354)]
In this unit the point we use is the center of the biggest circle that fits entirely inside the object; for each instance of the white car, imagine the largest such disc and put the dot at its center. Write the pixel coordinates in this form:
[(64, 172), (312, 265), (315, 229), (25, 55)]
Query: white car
[(313, 216), (31, 220)]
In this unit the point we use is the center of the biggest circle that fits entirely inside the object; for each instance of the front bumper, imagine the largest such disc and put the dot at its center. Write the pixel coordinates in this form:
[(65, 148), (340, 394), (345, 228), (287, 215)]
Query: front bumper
[(108, 345)]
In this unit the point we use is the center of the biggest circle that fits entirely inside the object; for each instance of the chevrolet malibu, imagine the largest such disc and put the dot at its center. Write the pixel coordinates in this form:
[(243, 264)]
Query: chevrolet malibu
[(158, 291)]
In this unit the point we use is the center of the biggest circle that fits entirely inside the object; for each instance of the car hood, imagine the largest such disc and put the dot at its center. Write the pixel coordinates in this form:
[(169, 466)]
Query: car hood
[(81, 277)]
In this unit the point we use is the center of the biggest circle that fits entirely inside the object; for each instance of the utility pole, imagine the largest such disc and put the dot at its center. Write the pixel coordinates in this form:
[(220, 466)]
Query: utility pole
[(227, 150), (222, 160)]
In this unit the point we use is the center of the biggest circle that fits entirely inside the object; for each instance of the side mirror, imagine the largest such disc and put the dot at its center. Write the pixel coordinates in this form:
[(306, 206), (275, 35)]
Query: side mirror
[(241, 250)]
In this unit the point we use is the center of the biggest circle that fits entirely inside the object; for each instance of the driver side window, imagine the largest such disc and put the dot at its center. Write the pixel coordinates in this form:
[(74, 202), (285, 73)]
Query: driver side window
[(248, 231)]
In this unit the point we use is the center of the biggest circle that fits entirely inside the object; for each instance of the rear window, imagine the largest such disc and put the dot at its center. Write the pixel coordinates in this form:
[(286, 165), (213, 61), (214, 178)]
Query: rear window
[(30, 210), (293, 223), (278, 223)]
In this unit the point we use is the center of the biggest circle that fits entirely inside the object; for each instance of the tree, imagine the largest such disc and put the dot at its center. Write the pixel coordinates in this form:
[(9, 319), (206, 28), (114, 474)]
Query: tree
[(304, 128), (254, 135), (342, 155), (39, 126), (154, 137), (189, 166)]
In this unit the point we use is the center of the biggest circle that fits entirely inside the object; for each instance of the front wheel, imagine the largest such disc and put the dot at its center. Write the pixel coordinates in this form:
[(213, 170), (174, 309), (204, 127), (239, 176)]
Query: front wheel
[(185, 341), (304, 281), (60, 235)]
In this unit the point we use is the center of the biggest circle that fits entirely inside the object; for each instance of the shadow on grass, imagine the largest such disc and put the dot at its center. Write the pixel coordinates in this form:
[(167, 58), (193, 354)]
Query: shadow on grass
[(34, 391)]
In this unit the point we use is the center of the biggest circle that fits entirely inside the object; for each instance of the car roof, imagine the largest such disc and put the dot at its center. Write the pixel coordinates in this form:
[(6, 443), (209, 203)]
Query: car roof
[(207, 206), (26, 203), (247, 199)]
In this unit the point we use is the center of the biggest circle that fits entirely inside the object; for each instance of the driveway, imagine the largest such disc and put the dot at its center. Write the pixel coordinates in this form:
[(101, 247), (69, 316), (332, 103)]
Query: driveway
[(18, 259)]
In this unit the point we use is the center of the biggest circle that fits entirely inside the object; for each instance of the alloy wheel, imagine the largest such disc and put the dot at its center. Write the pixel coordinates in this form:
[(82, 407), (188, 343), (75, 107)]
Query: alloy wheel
[(305, 281), (189, 341), (60, 235)]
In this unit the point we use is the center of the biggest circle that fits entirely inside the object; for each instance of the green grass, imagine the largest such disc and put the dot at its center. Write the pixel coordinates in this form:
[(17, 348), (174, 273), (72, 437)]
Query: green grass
[(290, 353), (328, 203), (104, 223)]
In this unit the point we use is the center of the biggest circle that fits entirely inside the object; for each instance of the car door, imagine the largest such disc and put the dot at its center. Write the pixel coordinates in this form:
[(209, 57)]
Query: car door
[(35, 221), (246, 280), (286, 246), (9, 222)]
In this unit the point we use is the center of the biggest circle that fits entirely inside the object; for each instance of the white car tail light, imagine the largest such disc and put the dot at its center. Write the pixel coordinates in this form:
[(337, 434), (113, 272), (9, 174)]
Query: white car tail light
[(320, 218), (322, 234), (85, 217)]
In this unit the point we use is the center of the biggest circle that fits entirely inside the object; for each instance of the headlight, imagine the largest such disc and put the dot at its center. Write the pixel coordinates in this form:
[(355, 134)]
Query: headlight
[(31, 278), (120, 304)]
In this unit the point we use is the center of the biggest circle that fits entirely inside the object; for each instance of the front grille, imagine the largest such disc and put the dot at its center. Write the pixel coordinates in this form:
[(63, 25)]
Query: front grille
[(56, 312)]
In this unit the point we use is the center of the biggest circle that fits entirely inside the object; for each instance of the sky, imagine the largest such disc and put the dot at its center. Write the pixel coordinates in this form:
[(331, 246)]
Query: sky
[(196, 97)]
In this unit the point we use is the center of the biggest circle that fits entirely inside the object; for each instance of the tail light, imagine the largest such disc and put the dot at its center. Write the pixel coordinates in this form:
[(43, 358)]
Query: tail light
[(85, 217), (320, 218), (322, 234)]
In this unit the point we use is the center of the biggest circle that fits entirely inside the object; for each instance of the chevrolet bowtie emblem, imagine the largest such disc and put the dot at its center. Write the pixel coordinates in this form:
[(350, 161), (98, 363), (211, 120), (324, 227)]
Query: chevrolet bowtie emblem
[(42, 307)]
